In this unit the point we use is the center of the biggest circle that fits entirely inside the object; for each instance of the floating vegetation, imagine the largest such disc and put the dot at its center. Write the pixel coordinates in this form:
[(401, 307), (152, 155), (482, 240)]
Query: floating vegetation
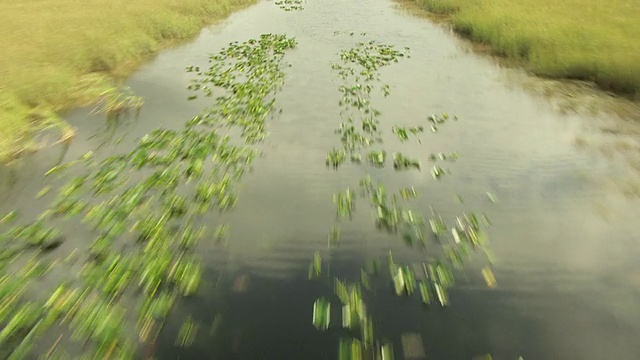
[(489, 278), (142, 211), (116, 102), (401, 132), (377, 158), (321, 313), (437, 172), (350, 349), (345, 202), (408, 193), (336, 157), (44, 191), (290, 5), (315, 268), (438, 227), (358, 132), (424, 292), (412, 346), (404, 281), (187, 332), (401, 162), (361, 128), (334, 235)]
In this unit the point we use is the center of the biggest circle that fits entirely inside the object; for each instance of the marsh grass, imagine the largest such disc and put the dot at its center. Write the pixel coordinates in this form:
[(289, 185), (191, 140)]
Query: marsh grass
[(575, 39), (49, 47)]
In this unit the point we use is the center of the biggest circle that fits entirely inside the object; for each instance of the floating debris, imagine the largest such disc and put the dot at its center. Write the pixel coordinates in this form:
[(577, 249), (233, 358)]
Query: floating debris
[(240, 283), (350, 349), (401, 133), (377, 158), (141, 199), (437, 172), (424, 292), (364, 279), (358, 132), (321, 313), (408, 193), (44, 191), (402, 162), (438, 227), (442, 295), (336, 157), (315, 268), (451, 156), (334, 235)]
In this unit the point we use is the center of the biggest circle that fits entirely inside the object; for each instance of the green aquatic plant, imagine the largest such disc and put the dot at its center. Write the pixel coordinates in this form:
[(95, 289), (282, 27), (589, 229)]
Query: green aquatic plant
[(290, 5), (345, 202), (361, 129), (451, 156), (321, 313), (377, 158), (401, 162), (116, 102), (315, 268), (335, 158), (141, 208)]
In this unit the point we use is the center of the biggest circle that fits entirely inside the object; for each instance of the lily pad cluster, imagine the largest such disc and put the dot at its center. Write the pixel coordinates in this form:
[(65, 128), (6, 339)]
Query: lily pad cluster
[(360, 136), (355, 320), (290, 5), (361, 128), (144, 210)]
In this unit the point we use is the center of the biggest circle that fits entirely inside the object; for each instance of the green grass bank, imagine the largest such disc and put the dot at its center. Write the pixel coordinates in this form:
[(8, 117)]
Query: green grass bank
[(57, 54), (589, 40)]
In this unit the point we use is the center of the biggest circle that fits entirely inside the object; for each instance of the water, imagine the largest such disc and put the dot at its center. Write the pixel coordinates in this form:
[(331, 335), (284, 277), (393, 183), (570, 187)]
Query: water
[(564, 241)]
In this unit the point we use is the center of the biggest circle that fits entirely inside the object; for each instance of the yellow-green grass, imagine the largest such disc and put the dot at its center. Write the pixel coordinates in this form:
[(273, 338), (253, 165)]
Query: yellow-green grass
[(56, 54), (591, 40)]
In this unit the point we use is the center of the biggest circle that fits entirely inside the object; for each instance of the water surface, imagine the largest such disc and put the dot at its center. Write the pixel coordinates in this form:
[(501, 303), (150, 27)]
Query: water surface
[(565, 244)]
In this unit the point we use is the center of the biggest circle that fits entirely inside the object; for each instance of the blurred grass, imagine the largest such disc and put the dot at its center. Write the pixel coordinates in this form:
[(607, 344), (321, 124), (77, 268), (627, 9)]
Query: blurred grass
[(57, 54), (591, 40)]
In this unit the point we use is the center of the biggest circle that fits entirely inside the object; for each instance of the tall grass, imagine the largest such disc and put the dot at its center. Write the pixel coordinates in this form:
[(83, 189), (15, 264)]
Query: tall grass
[(49, 48), (591, 40)]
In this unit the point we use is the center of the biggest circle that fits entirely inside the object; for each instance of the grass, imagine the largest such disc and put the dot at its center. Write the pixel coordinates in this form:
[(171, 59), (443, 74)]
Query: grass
[(588, 40), (57, 54)]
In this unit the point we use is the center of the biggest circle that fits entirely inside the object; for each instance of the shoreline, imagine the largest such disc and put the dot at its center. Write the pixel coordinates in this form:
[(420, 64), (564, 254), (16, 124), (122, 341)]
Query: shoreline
[(86, 60), (521, 48)]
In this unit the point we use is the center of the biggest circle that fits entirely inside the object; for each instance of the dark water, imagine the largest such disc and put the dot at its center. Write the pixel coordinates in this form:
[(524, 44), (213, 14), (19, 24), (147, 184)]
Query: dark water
[(565, 244)]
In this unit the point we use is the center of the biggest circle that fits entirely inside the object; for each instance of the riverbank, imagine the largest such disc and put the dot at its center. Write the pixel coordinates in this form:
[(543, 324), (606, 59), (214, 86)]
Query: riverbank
[(578, 39), (58, 54)]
